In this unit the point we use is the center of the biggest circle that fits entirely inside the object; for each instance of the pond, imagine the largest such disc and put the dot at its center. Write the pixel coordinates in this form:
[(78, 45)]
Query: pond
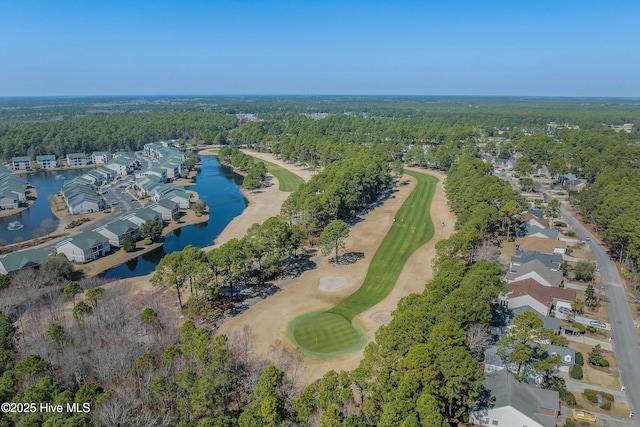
[(219, 187), (46, 185)]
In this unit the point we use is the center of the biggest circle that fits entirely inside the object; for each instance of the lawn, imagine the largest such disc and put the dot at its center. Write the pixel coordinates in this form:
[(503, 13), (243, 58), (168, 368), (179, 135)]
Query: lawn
[(411, 229), (289, 181)]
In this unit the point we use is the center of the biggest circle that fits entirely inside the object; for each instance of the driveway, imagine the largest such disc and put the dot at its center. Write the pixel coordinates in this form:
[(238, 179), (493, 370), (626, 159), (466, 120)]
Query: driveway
[(625, 342)]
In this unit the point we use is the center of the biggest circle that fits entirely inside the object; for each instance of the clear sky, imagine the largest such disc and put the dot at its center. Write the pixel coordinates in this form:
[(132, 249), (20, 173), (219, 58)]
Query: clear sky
[(428, 47)]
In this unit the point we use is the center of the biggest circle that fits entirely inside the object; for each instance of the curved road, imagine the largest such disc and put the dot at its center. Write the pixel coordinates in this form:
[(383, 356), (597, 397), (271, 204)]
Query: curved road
[(625, 341)]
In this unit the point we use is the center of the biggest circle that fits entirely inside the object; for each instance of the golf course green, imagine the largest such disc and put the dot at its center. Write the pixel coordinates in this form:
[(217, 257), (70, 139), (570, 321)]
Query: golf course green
[(332, 332)]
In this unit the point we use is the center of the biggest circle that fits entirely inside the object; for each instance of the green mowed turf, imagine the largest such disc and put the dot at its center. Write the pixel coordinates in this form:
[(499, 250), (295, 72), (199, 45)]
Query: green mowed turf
[(412, 228), (325, 334), (287, 180)]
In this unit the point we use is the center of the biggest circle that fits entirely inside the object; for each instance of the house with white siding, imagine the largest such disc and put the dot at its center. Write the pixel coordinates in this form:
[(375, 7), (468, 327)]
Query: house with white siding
[(84, 247), (121, 166), (141, 216), (100, 157), (76, 159), (21, 163), (47, 161), (118, 230), (166, 208)]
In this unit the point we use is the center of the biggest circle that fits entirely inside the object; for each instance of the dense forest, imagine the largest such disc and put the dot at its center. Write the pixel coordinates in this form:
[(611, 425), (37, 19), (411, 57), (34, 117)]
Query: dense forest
[(136, 367)]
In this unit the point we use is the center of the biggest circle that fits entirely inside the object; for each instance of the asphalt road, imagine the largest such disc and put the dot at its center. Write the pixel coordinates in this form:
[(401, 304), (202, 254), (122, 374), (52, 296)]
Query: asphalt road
[(625, 342)]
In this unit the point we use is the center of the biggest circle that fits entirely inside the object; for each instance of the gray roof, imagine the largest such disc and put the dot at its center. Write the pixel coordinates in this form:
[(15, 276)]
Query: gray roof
[(562, 352), (551, 261), (551, 276), (46, 157), (550, 233), (491, 356), (502, 319), (549, 322), (536, 212), (506, 391), (21, 159)]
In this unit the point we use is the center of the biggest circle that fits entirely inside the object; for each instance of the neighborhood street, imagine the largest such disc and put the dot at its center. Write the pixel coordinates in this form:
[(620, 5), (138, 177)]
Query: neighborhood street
[(625, 341)]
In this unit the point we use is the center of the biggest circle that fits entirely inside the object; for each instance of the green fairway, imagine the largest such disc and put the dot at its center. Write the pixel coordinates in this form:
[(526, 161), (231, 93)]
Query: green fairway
[(288, 181), (411, 229)]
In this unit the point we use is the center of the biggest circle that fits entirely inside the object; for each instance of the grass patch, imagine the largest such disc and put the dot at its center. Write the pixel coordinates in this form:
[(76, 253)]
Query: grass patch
[(325, 334), (288, 181), (412, 228), (332, 332)]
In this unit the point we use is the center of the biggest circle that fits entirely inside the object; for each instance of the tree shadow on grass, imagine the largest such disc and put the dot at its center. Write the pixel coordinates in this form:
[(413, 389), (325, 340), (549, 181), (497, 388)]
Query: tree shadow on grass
[(348, 258)]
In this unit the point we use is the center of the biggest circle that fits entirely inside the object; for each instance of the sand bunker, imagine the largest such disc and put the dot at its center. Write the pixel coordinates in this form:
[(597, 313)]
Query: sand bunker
[(332, 283), (381, 317)]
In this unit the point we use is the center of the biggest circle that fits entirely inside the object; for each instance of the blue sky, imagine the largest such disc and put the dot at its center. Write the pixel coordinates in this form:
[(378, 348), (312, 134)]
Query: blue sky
[(534, 48)]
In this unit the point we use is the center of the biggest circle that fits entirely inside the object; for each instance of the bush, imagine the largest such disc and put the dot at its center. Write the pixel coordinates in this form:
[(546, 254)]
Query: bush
[(579, 359), (576, 372), (569, 423), (591, 395), (559, 224), (579, 326), (606, 406), (591, 329), (607, 396), (567, 397), (585, 423)]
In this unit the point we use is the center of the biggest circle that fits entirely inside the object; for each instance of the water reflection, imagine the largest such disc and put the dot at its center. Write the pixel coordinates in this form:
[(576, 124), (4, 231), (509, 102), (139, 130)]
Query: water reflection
[(219, 187)]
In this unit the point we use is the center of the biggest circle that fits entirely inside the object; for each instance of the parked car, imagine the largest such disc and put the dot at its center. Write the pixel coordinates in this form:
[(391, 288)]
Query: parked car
[(598, 324), (565, 310)]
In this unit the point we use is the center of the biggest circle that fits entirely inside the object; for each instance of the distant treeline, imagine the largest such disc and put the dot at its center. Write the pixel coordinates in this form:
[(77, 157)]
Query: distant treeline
[(30, 126)]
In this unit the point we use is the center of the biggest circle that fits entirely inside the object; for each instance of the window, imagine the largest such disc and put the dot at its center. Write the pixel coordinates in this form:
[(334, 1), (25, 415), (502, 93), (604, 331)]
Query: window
[(494, 422)]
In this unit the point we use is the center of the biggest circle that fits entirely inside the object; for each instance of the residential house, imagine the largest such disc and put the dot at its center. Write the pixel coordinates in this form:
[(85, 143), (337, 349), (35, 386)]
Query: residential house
[(567, 356), (172, 193), (121, 166), (143, 215), (512, 403), (100, 157), (16, 261), (534, 221), (493, 362), (80, 196), (21, 163), (84, 247), (535, 270), (159, 172), (502, 320), (147, 186), (530, 293), (551, 261), (118, 230), (166, 208), (541, 244), (546, 233), (538, 213), (76, 159), (8, 201), (47, 161)]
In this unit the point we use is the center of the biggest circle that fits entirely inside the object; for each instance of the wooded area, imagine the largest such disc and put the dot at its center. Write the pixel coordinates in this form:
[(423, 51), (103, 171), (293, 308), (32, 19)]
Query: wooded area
[(136, 367)]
